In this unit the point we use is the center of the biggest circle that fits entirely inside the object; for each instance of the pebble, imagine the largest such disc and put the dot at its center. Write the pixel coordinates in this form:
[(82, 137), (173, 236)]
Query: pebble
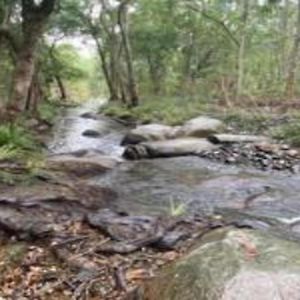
[(264, 156)]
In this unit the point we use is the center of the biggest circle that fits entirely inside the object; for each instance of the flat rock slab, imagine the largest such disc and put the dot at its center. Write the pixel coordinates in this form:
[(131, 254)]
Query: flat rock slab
[(169, 148), (200, 127), (35, 211), (150, 132), (233, 264), (233, 138)]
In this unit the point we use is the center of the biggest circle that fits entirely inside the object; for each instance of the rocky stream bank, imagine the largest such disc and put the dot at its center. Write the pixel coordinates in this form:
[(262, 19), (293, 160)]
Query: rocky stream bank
[(197, 212)]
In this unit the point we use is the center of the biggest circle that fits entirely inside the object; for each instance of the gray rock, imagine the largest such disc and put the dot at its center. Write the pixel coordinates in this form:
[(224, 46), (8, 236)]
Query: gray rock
[(201, 127), (91, 133), (150, 132), (90, 115), (169, 148), (81, 166), (232, 264), (232, 138)]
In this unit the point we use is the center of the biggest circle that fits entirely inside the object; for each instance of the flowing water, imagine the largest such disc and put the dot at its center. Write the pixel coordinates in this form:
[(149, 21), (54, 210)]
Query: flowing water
[(196, 185)]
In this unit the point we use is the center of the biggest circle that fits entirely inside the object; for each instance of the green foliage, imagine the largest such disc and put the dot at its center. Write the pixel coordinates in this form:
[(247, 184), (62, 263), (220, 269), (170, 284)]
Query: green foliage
[(170, 110), (177, 209), (289, 132), (15, 137), (48, 111), (244, 121), (8, 152)]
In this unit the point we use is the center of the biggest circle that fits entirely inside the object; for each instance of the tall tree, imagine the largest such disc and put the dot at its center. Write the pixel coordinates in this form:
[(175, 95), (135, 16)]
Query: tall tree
[(293, 60), (242, 47), (123, 25), (34, 18)]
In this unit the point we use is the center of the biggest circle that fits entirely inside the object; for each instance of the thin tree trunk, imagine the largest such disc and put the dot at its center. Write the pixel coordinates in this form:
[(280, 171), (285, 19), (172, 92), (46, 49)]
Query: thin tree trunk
[(293, 60), (61, 87), (123, 24), (284, 37), (113, 92), (242, 48)]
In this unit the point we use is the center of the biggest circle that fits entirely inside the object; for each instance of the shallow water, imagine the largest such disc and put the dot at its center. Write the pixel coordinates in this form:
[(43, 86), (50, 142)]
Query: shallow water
[(198, 185), (69, 128)]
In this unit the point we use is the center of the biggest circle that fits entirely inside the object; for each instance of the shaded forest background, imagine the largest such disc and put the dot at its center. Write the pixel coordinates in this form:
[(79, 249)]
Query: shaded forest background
[(184, 53)]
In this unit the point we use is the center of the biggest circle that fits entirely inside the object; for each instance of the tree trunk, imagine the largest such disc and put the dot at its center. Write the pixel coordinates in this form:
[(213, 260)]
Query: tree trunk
[(35, 94), (61, 87), (293, 61), (123, 24), (22, 77), (34, 20), (155, 76), (284, 20), (242, 48), (107, 76)]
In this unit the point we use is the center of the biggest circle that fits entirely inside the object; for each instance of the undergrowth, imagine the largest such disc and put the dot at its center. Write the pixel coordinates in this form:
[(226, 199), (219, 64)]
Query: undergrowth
[(245, 122), (48, 111), (170, 111), (16, 137), (289, 132), (18, 147)]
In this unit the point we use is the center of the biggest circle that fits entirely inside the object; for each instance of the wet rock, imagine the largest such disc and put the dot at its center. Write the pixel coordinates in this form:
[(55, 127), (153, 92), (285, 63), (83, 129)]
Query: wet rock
[(124, 228), (201, 127), (89, 115), (170, 148), (23, 226), (37, 211), (91, 133), (89, 165), (233, 264), (232, 138), (130, 233), (150, 132), (171, 239)]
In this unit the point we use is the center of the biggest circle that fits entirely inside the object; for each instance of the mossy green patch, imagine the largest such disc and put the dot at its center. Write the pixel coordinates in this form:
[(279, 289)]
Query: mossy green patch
[(169, 111)]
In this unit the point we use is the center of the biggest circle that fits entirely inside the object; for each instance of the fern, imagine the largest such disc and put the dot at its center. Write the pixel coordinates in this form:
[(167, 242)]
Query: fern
[(177, 210), (8, 152)]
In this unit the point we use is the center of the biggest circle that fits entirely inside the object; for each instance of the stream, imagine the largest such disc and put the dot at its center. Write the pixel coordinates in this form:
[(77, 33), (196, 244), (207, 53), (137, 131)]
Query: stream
[(198, 186)]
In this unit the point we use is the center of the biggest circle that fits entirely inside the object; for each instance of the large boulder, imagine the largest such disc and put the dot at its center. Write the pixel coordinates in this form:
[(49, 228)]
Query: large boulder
[(150, 132), (201, 127), (232, 264), (169, 148)]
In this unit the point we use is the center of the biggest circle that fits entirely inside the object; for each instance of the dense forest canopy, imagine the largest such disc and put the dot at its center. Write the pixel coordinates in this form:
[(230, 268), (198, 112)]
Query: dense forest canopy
[(229, 51)]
